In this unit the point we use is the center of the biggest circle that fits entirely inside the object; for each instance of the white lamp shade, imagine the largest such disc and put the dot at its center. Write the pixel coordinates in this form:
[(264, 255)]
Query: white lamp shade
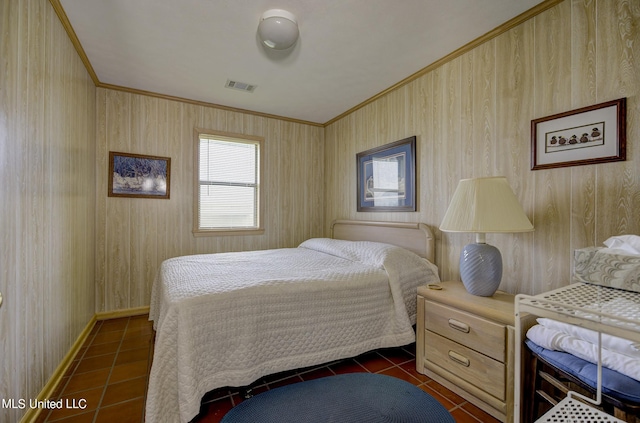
[(278, 29), (483, 205)]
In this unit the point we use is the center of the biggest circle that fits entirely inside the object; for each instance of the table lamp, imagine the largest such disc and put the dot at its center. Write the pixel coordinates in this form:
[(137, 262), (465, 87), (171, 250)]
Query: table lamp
[(483, 205)]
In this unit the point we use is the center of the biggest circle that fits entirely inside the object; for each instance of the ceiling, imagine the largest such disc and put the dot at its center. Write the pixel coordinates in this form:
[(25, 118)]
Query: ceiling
[(348, 50)]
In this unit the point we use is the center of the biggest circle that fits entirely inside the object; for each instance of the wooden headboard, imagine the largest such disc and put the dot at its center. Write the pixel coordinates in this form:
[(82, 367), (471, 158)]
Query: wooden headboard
[(416, 237)]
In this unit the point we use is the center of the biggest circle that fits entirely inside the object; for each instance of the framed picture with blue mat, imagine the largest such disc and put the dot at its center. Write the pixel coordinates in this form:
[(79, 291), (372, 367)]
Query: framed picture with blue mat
[(347, 398), (386, 177)]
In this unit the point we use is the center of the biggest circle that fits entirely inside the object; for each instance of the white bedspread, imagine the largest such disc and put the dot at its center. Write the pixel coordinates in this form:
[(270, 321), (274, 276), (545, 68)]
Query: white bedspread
[(228, 319)]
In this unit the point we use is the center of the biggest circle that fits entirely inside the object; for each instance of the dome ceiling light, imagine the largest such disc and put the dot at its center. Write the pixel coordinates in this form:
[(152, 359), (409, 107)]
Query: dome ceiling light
[(278, 29)]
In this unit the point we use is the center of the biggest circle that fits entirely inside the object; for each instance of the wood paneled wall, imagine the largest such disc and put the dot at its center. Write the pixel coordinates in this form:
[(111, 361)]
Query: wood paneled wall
[(67, 250), (47, 211), (135, 235), (472, 118)]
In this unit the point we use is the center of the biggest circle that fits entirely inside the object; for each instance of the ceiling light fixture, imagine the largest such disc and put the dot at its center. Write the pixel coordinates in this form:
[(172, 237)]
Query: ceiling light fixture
[(278, 29)]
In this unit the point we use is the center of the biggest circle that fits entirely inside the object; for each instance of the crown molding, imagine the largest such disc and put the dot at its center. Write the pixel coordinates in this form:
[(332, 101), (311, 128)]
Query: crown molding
[(523, 17)]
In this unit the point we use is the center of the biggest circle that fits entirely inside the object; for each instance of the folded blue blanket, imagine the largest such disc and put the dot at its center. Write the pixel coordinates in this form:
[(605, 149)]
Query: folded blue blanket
[(614, 384)]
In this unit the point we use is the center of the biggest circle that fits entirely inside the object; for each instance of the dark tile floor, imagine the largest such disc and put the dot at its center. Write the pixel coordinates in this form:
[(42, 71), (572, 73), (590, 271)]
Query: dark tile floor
[(107, 381)]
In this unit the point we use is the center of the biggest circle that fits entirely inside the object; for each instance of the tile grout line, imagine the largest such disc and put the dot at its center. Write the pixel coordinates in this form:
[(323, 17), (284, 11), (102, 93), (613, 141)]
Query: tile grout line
[(113, 364), (150, 353), (81, 357), (461, 408)]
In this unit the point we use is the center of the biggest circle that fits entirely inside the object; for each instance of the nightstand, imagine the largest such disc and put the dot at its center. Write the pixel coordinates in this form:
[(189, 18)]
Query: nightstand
[(465, 343)]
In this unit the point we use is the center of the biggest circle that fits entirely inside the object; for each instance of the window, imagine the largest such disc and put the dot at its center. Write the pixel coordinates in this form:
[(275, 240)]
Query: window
[(228, 193)]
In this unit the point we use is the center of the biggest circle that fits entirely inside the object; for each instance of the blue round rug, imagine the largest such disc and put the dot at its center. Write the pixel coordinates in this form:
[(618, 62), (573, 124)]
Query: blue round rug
[(348, 398)]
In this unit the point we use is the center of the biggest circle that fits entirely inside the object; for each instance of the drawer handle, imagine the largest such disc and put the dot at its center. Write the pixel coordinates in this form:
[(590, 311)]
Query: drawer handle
[(457, 325), (459, 358)]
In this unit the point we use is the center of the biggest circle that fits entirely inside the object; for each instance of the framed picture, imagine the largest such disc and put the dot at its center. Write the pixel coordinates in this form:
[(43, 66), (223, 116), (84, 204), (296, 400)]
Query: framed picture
[(593, 134), (387, 177), (135, 175)]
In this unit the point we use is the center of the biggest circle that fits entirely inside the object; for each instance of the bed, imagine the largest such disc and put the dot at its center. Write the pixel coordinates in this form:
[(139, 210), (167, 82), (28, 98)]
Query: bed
[(228, 319)]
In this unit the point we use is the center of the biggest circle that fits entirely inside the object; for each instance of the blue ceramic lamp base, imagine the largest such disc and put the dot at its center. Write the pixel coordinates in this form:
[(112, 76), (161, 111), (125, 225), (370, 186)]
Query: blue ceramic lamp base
[(481, 269)]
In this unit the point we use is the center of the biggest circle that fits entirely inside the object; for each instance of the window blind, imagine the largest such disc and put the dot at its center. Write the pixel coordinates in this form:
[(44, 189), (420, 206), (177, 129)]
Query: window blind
[(229, 183)]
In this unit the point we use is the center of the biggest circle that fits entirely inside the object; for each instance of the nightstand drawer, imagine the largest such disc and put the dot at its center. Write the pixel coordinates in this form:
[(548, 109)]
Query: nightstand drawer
[(467, 364), (475, 332)]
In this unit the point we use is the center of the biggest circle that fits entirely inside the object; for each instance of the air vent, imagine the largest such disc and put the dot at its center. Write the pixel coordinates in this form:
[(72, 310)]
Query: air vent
[(242, 86)]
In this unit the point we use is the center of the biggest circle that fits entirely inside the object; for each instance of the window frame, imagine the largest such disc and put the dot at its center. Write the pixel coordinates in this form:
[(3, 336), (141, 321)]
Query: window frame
[(230, 137)]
